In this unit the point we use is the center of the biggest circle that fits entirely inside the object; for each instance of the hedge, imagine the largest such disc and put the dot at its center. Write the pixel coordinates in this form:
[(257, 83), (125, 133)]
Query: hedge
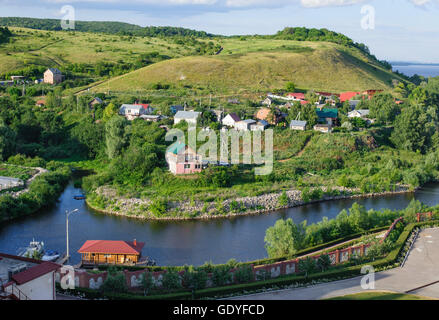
[(265, 261)]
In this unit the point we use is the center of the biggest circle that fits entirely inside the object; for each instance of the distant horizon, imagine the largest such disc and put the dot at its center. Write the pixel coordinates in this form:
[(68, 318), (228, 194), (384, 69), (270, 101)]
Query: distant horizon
[(402, 29)]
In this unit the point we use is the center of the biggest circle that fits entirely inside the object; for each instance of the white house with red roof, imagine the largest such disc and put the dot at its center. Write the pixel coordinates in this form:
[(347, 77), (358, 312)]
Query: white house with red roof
[(133, 111), (26, 279)]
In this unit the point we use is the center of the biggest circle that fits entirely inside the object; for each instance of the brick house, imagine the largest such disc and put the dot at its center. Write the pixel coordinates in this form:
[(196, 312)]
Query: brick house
[(53, 76)]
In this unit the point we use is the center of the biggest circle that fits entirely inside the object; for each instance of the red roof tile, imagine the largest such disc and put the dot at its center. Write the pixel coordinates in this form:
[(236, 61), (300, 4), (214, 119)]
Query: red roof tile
[(112, 247), (35, 272), (297, 95)]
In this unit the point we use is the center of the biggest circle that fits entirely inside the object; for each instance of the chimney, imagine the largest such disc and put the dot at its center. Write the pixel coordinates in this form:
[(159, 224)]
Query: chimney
[(135, 242)]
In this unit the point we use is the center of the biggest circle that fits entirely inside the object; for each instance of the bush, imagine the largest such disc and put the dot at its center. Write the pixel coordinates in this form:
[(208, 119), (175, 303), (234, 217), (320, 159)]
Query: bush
[(158, 207)]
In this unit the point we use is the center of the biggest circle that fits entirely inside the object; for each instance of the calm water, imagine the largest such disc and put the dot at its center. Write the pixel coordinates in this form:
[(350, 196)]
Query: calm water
[(422, 70), (177, 243)]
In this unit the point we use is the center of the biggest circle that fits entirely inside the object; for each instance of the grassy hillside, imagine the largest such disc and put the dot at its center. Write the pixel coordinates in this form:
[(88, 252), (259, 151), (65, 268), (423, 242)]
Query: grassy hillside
[(260, 65), (59, 48)]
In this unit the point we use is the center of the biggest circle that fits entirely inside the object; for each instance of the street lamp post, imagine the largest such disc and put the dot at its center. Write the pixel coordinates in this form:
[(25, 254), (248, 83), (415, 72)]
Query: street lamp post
[(67, 231)]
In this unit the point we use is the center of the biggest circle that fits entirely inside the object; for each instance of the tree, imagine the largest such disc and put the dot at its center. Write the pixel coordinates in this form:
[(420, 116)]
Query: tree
[(307, 265), (413, 129), (115, 138), (109, 112), (284, 238), (7, 141), (383, 108), (290, 86)]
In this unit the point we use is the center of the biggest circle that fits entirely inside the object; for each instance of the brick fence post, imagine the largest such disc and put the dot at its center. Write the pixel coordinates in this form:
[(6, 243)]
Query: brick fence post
[(337, 256), (362, 249), (418, 217)]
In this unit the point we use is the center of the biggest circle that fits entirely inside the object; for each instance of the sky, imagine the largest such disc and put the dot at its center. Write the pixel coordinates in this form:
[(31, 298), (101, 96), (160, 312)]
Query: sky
[(394, 30)]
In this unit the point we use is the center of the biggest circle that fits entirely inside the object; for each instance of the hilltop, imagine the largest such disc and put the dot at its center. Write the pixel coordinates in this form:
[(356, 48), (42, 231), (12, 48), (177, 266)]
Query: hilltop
[(264, 64)]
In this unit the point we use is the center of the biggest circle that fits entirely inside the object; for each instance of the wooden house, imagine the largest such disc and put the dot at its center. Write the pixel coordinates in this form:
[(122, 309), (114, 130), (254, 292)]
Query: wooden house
[(111, 252)]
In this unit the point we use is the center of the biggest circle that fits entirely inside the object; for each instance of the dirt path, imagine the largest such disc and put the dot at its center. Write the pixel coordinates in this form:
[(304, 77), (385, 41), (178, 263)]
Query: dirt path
[(27, 183), (300, 153)]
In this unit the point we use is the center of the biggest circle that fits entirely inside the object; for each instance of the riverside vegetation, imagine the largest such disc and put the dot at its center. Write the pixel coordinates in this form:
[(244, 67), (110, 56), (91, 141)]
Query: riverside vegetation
[(399, 152)]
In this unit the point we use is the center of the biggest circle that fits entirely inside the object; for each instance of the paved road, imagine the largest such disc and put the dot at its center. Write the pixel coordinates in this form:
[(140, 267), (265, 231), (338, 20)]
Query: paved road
[(420, 269)]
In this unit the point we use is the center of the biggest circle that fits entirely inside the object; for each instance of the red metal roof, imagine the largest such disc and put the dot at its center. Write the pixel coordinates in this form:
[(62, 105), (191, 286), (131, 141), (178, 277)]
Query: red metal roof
[(112, 247), (345, 96), (297, 95), (35, 272), (145, 106)]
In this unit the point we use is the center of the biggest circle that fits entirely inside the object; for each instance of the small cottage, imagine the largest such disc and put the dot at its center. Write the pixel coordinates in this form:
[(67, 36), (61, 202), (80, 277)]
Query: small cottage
[(298, 125), (191, 117), (230, 120), (324, 128), (244, 125)]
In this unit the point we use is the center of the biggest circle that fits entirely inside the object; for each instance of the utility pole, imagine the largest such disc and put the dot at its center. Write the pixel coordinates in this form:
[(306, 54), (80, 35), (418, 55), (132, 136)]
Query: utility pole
[(67, 232)]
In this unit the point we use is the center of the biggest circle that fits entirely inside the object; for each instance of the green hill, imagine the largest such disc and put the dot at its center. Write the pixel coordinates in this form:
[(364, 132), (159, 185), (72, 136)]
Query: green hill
[(264, 64), (111, 27)]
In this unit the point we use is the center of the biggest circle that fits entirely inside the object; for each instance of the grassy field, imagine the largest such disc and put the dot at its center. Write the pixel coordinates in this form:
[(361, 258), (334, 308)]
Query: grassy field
[(379, 295), (261, 65), (57, 48)]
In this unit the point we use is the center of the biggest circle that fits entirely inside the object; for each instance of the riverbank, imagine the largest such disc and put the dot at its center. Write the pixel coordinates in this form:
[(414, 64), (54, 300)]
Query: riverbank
[(196, 210)]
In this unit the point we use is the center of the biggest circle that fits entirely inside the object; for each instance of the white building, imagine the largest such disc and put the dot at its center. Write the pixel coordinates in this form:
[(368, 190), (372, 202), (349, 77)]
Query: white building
[(230, 120), (26, 279), (363, 113), (191, 117), (132, 111)]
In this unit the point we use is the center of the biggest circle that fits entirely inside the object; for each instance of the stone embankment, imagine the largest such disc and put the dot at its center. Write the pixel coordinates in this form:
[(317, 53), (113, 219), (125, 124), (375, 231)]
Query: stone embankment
[(183, 210)]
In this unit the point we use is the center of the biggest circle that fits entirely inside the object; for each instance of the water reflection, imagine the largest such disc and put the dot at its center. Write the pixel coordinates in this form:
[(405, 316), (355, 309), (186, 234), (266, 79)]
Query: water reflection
[(181, 242)]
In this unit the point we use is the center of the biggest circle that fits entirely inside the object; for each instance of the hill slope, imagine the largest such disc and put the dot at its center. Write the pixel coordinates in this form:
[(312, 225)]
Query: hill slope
[(310, 65)]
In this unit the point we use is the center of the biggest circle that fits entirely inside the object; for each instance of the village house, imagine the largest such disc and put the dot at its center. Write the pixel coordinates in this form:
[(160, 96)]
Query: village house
[(268, 101), (266, 115), (353, 104), (230, 120), (259, 126), (328, 116), (362, 113), (298, 125), (296, 96), (94, 102), (26, 279), (191, 117), (325, 128), (183, 160), (40, 103), (174, 109), (133, 111), (94, 252), (53, 76), (244, 125)]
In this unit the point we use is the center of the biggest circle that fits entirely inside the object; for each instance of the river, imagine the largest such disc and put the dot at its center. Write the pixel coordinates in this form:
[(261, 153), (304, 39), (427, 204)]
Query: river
[(419, 69), (181, 242)]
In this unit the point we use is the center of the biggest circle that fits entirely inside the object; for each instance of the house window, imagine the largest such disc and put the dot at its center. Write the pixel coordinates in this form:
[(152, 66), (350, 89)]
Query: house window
[(187, 166), (198, 166)]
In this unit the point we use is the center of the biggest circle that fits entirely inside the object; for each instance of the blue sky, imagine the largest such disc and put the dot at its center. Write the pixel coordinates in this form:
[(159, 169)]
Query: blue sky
[(405, 30)]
